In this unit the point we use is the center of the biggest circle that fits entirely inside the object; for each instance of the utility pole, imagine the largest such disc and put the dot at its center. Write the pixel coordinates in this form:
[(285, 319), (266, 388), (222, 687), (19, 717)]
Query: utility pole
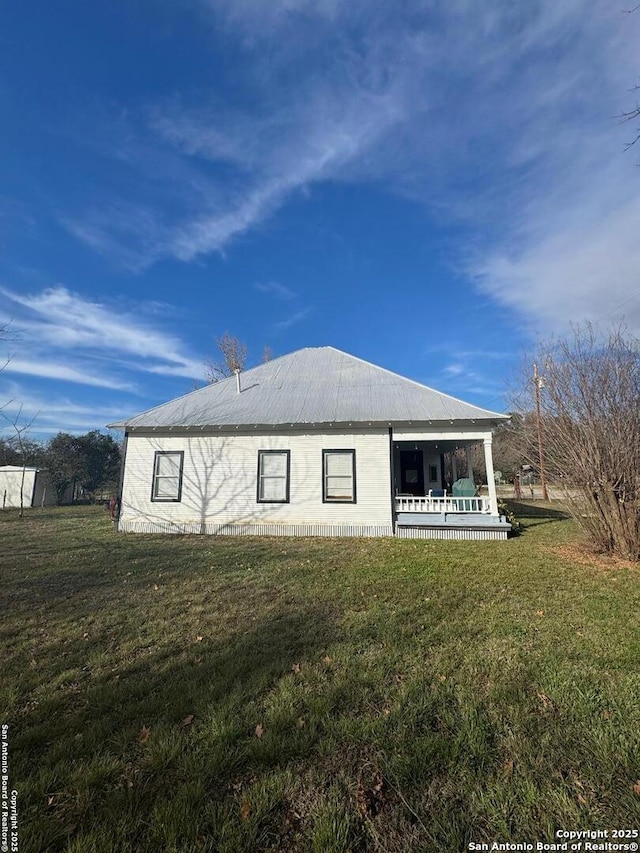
[(537, 384)]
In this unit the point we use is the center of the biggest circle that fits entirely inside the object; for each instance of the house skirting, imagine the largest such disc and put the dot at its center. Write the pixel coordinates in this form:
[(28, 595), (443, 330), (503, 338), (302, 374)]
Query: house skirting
[(454, 532), (421, 531), (249, 529)]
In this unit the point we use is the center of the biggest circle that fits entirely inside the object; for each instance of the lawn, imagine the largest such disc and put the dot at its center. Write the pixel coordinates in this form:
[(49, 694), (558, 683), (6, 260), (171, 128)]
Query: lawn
[(169, 693)]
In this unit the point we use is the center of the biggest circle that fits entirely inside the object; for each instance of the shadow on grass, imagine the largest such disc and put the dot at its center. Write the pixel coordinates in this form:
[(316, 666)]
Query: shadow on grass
[(524, 509), (92, 574), (220, 695), (200, 699), (532, 514)]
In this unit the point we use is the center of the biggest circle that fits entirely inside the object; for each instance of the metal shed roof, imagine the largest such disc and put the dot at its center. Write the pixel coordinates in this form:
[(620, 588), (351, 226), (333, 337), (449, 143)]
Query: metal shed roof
[(315, 385)]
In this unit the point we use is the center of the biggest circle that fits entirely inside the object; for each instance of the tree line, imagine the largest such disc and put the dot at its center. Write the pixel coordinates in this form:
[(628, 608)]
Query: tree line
[(80, 467)]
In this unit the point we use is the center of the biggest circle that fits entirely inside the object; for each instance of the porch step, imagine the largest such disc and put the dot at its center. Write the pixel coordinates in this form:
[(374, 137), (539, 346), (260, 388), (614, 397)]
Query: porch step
[(476, 521)]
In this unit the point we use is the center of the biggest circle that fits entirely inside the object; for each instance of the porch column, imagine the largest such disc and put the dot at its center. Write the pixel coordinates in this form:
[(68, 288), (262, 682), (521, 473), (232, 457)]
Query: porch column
[(454, 467), (469, 463), (491, 480)]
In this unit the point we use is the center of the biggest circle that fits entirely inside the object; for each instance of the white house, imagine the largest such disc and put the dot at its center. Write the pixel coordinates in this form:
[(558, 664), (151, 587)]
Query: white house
[(315, 443), (33, 482)]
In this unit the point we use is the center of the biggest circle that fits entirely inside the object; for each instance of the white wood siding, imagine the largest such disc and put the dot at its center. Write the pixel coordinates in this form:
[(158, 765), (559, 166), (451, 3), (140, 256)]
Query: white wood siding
[(219, 488)]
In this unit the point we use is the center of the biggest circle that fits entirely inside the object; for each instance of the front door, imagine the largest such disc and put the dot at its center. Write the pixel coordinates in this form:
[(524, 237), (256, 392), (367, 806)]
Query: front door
[(411, 473)]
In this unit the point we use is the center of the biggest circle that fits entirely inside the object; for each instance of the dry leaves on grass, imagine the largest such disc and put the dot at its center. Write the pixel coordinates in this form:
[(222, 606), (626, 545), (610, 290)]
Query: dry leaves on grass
[(291, 819), (296, 668), (636, 788), (259, 730), (584, 794), (187, 721), (582, 554), (546, 703), (128, 775), (144, 734), (245, 810), (371, 797)]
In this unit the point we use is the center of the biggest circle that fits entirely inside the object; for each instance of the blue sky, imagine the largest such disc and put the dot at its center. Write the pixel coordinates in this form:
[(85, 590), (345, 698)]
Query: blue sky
[(429, 186)]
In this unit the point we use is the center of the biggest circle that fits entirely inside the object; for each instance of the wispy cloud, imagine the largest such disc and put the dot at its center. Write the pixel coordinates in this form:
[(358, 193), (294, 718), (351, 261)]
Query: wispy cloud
[(75, 347), (46, 369), (50, 414), (291, 320), (274, 288), (131, 234), (58, 321), (578, 270), (454, 369), (309, 140), (496, 116)]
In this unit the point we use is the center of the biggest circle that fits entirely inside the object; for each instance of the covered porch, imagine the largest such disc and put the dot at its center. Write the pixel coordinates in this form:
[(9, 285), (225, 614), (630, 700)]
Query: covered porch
[(436, 491)]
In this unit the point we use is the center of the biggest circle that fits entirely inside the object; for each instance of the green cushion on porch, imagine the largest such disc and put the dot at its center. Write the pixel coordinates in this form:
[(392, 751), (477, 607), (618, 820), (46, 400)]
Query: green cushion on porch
[(464, 488)]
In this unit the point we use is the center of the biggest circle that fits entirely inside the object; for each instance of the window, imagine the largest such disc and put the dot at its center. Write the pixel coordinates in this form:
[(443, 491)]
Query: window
[(273, 476), (433, 473), (167, 475), (339, 476)]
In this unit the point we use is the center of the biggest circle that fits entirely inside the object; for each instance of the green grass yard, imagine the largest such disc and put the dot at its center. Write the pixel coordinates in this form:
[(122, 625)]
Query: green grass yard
[(169, 693)]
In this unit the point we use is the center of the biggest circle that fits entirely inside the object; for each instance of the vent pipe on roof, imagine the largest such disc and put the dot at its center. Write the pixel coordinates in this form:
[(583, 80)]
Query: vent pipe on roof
[(237, 373)]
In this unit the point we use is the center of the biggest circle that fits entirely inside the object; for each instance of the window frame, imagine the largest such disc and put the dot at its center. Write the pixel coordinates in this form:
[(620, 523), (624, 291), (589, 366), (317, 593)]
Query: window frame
[(327, 500), (286, 499), (156, 458)]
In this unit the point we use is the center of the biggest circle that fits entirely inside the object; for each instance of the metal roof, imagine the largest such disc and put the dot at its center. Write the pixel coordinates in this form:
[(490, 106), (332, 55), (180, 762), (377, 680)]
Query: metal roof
[(316, 385)]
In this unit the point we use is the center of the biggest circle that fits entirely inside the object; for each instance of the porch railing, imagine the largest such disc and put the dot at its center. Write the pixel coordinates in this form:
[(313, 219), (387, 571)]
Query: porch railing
[(409, 503)]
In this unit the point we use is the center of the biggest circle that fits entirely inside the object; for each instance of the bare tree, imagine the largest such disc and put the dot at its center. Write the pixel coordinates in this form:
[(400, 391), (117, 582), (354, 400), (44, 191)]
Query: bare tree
[(267, 353), (6, 335), (632, 115), (590, 420), (234, 357)]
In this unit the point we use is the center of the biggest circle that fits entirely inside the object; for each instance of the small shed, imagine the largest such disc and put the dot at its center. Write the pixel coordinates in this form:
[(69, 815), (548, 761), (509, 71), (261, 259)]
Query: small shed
[(34, 482)]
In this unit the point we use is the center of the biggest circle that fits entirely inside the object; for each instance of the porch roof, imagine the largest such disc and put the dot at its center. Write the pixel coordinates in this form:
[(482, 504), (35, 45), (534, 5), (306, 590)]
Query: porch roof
[(441, 445)]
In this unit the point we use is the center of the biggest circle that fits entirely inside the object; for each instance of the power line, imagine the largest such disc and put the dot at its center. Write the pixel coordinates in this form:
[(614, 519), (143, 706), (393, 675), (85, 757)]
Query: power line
[(623, 303)]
